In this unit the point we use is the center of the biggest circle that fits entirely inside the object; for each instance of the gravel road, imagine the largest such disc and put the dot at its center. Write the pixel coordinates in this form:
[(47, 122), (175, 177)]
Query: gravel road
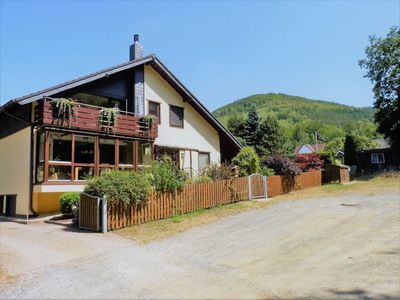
[(315, 248)]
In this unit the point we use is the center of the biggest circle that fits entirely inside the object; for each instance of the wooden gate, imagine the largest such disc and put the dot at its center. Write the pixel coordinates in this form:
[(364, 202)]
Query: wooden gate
[(89, 212), (257, 186)]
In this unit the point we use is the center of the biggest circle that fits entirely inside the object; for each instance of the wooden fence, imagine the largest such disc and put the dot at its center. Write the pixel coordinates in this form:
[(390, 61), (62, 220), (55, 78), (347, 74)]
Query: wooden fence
[(278, 185), (190, 198), (201, 196)]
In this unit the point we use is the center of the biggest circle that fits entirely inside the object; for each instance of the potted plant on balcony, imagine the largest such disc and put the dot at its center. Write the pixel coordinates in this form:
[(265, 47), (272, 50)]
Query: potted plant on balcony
[(147, 122), (108, 117), (63, 109)]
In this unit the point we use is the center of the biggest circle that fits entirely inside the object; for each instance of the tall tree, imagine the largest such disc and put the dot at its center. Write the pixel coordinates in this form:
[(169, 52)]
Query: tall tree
[(270, 137), (383, 69), (350, 154), (235, 124), (251, 127)]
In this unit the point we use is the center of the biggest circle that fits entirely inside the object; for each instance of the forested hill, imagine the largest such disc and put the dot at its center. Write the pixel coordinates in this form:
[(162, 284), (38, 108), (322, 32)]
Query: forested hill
[(299, 117)]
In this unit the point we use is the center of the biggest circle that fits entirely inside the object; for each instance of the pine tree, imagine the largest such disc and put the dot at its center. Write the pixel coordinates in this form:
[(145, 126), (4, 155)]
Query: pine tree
[(251, 127), (350, 154), (270, 138)]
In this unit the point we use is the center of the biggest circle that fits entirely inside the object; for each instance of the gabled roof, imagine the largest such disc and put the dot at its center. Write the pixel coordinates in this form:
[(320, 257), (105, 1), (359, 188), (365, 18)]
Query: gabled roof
[(313, 148), (150, 60)]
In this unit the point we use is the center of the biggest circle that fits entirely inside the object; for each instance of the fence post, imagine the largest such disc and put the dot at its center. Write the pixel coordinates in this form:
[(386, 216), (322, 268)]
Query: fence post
[(104, 214), (265, 186)]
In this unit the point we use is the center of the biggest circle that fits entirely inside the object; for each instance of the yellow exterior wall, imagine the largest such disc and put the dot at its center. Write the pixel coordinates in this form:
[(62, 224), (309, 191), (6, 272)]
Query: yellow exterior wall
[(46, 202), (197, 133), (14, 168)]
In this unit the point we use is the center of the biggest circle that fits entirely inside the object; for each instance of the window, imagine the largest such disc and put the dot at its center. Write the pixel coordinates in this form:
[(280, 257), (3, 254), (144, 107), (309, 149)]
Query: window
[(204, 160), (176, 116), (145, 155), (155, 110), (172, 153), (107, 152), (60, 147), (377, 158), (74, 157), (126, 152), (84, 149)]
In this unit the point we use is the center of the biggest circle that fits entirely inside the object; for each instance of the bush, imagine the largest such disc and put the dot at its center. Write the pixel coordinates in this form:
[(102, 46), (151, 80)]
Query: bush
[(216, 171), (69, 203), (267, 171), (122, 186), (164, 176), (329, 157), (281, 165), (199, 179), (248, 161), (309, 162)]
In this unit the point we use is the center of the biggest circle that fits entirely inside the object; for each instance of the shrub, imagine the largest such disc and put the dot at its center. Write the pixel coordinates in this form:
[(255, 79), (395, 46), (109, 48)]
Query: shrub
[(281, 165), (122, 186), (309, 162), (216, 171), (267, 171), (328, 157), (248, 161), (164, 176), (199, 179), (69, 203)]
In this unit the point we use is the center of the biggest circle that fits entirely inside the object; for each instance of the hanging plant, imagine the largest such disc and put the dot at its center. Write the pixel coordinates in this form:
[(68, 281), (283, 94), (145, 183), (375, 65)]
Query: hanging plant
[(64, 109), (149, 120), (108, 116)]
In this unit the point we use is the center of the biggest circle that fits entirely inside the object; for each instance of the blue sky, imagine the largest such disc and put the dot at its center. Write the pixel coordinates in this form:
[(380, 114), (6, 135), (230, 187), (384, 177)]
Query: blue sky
[(220, 50)]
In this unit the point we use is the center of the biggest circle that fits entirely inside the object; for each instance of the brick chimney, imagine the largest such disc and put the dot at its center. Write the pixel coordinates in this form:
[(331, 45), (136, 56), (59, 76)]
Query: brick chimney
[(136, 49)]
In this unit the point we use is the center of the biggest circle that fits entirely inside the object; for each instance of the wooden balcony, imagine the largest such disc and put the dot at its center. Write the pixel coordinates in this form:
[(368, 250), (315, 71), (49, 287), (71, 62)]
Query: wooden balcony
[(87, 119)]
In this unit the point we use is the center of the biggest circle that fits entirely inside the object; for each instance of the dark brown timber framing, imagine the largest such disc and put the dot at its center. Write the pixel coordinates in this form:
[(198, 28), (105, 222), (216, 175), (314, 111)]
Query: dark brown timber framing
[(229, 144)]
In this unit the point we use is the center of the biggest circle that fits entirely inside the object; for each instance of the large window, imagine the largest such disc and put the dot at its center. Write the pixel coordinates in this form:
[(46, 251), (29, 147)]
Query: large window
[(176, 116), (60, 156), (60, 147), (204, 159), (74, 157), (155, 110), (126, 153), (84, 149)]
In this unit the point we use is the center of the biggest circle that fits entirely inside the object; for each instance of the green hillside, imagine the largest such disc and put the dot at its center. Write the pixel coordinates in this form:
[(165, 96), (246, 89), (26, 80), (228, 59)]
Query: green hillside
[(299, 117)]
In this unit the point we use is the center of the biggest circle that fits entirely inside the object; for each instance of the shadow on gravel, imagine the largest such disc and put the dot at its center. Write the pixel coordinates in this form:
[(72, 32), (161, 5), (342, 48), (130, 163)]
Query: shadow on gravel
[(361, 294)]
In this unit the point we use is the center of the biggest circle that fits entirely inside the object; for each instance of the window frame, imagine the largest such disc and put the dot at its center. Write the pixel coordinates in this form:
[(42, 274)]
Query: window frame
[(198, 158), (170, 116), (158, 109), (377, 158), (97, 167)]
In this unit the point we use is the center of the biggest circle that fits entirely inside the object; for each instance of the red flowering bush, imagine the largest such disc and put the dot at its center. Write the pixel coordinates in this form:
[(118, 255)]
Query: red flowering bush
[(309, 162)]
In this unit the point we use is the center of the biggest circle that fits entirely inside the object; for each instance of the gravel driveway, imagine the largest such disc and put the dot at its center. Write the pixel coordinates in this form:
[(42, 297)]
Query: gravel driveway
[(307, 248)]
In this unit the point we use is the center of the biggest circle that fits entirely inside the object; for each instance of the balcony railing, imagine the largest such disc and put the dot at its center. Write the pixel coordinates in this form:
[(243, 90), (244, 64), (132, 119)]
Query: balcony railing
[(87, 118)]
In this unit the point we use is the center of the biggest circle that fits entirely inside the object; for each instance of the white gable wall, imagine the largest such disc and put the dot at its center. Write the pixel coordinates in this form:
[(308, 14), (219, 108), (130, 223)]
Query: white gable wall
[(197, 133)]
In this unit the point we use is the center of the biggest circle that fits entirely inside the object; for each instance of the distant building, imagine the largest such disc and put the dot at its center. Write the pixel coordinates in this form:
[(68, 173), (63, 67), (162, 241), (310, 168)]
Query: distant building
[(378, 158), (309, 148)]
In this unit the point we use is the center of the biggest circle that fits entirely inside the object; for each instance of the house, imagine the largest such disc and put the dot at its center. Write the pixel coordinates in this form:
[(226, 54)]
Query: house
[(44, 152), (308, 148), (381, 157)]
